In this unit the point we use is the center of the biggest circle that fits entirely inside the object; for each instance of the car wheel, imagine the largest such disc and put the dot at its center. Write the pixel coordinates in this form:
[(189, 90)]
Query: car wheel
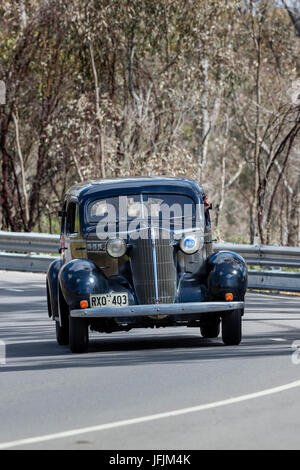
[(62, 333), (78, 335), (232, 327), (210, 331)]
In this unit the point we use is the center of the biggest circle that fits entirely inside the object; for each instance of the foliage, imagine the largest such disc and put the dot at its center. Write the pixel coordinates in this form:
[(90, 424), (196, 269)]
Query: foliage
[(102, 88)]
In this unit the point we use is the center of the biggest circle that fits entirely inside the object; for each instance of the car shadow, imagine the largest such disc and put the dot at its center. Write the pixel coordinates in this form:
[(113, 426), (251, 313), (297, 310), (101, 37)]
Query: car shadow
[(116, 352), (32, 345)]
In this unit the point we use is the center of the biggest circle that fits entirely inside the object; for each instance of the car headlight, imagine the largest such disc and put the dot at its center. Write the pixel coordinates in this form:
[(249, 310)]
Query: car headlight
[(116, 247), (189, 244)]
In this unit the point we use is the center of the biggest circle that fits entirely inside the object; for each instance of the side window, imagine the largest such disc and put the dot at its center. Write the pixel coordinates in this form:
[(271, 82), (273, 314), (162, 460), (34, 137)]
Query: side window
[(72, 222), (77, 221), (63, 219)]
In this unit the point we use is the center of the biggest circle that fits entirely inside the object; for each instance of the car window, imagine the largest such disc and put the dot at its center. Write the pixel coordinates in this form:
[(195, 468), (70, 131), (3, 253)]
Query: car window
[(63, 219), (170, 206), (72, 220)]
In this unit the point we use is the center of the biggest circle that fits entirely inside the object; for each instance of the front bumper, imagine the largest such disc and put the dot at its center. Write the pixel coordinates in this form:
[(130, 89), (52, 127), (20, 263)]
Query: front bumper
[(152, 310)]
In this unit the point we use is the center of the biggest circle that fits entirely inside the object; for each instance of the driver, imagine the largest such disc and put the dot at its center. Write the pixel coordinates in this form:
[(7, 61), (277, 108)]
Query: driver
[(206, 202)]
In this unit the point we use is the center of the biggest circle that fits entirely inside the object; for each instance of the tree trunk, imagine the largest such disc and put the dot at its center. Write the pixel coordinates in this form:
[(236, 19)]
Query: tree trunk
[(294, 215), (205, 122)]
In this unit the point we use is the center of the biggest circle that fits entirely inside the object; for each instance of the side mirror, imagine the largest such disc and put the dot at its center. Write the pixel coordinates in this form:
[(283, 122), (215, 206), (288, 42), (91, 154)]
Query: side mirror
[(61, 213)]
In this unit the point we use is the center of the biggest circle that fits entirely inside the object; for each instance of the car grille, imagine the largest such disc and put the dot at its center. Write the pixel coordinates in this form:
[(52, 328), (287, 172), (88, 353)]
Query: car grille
[(143, 270)]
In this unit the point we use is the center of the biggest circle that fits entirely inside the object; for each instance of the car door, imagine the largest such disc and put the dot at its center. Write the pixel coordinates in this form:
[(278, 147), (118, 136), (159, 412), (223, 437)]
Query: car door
[(75, 246), (62, 246)]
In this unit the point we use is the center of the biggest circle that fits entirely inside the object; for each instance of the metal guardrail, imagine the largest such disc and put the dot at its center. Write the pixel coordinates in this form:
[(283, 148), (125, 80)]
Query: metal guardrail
[(265, 255), (28, 262), (268, 259), (21, 251), (35, 251), (29, 242)]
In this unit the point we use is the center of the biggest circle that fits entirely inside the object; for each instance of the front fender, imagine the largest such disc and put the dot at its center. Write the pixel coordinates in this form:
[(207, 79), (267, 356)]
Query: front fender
[(227, 272), (79, 278)]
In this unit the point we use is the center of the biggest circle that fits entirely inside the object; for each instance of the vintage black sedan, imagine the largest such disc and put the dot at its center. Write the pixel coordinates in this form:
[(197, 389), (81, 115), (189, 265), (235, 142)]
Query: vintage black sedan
[(137, 253)]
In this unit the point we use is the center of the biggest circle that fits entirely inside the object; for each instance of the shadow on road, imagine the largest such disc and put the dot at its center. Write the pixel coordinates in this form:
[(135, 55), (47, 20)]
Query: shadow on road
[(108, 352), (27, 322)]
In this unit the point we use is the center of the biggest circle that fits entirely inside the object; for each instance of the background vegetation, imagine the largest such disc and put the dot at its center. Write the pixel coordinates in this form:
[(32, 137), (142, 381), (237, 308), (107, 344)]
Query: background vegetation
[(208, 89)]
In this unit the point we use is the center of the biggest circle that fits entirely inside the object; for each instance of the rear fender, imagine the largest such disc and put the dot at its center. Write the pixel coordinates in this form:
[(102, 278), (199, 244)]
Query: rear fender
[(52, 287)]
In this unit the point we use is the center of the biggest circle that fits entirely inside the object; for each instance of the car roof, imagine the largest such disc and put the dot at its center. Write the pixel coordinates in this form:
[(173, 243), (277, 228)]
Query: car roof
[(134, 185)]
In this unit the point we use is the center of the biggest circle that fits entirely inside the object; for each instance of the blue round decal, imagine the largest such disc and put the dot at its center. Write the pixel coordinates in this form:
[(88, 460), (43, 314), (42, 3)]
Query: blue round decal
[(189, 243)]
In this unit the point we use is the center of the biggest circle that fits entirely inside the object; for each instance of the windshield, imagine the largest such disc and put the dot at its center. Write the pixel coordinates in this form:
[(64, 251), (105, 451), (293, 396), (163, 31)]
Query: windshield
[(141, 206), (173, 212)]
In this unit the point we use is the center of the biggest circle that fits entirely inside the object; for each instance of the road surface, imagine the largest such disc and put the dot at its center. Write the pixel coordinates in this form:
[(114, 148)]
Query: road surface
[(147, 389)]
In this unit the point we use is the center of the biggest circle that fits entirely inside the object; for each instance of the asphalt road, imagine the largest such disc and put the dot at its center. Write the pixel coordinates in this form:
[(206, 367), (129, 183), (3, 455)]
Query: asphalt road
[(121, 394)]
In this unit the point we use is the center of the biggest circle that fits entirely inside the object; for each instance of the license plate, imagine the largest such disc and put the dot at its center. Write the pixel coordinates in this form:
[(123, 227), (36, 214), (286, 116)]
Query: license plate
[(109, 300)]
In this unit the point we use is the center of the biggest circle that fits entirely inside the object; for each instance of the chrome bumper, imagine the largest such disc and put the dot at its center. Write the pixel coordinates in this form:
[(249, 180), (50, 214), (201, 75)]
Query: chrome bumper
[(152, 310)]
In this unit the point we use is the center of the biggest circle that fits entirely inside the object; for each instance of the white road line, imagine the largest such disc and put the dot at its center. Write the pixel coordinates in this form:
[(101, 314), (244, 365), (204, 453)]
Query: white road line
[(12, 289), (144, 419)]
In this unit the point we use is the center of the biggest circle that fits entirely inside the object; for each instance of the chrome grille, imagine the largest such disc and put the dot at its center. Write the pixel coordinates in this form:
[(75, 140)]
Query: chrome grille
[(143, 270)]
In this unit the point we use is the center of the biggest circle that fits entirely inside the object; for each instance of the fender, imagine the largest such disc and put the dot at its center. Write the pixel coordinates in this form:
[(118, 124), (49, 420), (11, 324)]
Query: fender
[(78, 279), (52, 287), (227, 273)]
